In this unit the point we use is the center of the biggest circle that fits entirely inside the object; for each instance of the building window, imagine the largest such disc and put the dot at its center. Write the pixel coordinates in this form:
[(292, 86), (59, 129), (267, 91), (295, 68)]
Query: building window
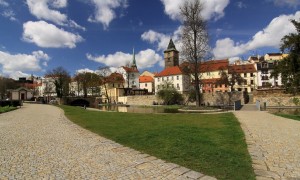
[(158, 87), (178, 86), (251, 74), (113, 85), (177, 77), (145, 84), (162, 78), (172, 78), (245, 74), (252, 82), (167, 78), (158, 79)]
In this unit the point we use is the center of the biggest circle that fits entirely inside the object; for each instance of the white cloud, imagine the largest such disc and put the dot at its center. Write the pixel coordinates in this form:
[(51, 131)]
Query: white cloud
[(41, 10), (290, 3), (48, 10), (162, 40), (4, 3), (49, 36), (268, 37), (85, 70), (241, 4), (15, 64), (144, 59), (104, 11), (9, 14), (213, 9)]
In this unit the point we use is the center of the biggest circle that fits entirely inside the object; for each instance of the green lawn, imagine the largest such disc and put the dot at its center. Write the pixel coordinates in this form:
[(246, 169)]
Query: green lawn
[(211, 144), (289, 116), (6, 109)]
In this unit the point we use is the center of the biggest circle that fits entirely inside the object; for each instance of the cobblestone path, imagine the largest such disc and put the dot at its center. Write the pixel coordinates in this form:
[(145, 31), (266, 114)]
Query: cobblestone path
[(273, 143), (38, 142)]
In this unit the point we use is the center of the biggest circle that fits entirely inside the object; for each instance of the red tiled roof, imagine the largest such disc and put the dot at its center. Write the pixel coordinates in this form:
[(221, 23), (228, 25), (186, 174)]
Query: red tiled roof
[(145, 79), (130, 69), (214, 65), (245, 68), (115, 78), (175, 70)]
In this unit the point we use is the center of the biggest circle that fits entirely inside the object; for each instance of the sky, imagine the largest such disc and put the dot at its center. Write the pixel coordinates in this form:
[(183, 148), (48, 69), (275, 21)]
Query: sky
[(83, 35)]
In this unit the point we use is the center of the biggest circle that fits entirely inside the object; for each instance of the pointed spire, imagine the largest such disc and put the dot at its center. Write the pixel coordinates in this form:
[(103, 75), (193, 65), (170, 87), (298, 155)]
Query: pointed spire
[(171, 45), (133, 59)]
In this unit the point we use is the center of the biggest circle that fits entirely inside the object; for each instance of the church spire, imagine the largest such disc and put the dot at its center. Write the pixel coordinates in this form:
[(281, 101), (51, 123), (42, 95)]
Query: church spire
[(133, 60)]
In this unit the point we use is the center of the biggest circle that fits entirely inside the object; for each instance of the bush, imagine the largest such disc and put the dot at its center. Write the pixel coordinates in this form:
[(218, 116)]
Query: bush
[(170, 96)]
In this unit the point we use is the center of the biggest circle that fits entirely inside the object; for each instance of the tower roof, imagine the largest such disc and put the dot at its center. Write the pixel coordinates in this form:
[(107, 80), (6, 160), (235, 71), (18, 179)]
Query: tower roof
[(133, 59), (171, 46)]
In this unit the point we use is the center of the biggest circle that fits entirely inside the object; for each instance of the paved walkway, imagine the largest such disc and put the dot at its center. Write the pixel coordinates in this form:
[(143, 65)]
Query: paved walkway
[(38, 142), (273, 143)]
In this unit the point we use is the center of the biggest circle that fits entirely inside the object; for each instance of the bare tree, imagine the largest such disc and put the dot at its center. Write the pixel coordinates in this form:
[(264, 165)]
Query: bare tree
[(194, 39), (88, 80), (104, 72), (61, 80)]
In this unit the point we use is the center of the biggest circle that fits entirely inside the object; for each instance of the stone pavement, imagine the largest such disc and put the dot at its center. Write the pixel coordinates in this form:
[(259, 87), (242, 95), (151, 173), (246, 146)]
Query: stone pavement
[(38, 142), (273, 143)]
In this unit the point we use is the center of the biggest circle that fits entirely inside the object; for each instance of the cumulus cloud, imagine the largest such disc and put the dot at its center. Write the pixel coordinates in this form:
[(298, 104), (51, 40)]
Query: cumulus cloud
[(213, 9), (105, 11), (268, 37), (162, 40), (144, 59), (49, 36), (48, 10), (40, 9), (16, 64), (85, 70)]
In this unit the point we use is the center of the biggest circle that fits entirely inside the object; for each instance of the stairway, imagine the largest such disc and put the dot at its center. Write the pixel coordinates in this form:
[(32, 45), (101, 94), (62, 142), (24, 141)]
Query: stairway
[(249, 107)]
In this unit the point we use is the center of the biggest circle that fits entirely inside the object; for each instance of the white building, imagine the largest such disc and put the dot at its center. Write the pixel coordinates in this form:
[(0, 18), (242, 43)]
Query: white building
[(264, 79), (174, 77), (130, 74)]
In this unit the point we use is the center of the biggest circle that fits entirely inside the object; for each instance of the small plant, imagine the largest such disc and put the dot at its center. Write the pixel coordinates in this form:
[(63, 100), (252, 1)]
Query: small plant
[(296, 101), (6, 109)]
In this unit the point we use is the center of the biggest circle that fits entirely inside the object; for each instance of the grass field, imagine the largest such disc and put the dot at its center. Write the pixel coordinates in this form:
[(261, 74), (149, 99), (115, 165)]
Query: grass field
[(6, 109), (211, 144), (289, 116)]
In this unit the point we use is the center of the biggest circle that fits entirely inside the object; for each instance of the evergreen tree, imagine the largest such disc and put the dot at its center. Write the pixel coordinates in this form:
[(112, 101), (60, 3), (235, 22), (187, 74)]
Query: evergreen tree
[(289, 67)]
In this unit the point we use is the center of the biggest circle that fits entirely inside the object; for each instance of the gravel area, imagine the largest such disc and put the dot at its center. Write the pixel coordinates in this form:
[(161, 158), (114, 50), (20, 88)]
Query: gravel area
[(38, 142)]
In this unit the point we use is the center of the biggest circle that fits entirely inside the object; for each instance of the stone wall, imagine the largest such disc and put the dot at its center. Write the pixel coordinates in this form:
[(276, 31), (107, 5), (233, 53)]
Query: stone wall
[(275, 98), (138, 100), (208, 99), (222, 98)]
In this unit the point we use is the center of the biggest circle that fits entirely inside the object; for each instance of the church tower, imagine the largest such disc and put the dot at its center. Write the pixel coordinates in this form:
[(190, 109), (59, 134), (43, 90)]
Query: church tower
[(133, 66), (171, 55)]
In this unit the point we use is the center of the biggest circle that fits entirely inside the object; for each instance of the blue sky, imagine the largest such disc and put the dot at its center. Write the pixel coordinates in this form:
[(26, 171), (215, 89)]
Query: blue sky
[(82, 35)]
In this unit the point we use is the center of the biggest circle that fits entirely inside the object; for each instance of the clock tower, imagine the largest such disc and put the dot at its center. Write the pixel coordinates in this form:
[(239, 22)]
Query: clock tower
[(171, 55)]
